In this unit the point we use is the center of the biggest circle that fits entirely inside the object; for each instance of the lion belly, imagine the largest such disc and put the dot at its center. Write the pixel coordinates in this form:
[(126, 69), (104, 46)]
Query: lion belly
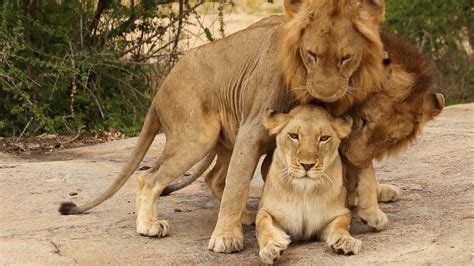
[(304, 216)]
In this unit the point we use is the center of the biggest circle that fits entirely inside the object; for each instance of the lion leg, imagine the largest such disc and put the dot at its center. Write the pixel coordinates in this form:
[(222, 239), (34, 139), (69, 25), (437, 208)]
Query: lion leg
[(368, 207), (228, 234), (387, 193), (336, 235), (272, 240), (181, 152), (215, 180), (351, 176)]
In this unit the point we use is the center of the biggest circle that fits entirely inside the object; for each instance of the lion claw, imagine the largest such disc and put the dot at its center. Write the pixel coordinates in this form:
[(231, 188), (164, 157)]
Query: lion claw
[(374, 218), (346, 245), (226, 243), (388, 193), (156, 228), (274, 249)]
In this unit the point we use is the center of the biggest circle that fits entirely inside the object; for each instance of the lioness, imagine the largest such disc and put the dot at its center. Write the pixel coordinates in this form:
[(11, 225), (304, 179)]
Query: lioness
[(304, 194), (217, 93)]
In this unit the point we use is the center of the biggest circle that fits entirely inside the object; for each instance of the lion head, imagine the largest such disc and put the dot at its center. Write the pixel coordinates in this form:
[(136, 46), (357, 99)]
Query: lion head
[(391, 119), (307, 140), (332, 48)]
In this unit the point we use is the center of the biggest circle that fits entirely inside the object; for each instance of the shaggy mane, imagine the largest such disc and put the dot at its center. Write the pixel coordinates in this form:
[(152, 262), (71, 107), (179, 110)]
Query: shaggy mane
[(412, 90), (366, 78)]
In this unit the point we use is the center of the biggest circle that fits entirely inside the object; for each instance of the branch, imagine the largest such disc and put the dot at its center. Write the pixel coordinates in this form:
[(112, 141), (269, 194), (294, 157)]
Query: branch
[(178, 33), (164, 29), (101, 6)]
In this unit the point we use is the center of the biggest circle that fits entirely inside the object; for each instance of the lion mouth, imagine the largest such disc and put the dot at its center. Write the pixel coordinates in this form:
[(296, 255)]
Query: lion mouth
[(333, 97)]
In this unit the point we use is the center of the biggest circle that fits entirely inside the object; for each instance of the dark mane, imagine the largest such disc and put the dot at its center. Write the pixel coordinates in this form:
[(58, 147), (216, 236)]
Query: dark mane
[(406, 55)]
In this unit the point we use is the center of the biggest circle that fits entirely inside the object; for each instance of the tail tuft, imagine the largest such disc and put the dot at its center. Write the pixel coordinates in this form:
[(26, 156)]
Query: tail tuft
[(67, 208)]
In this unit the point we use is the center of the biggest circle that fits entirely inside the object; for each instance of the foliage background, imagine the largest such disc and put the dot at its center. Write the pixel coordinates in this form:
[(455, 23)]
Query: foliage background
[(93, 66)]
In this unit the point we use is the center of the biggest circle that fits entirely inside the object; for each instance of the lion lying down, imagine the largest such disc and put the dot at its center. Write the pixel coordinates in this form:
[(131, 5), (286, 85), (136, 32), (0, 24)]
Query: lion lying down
[(304, 194)]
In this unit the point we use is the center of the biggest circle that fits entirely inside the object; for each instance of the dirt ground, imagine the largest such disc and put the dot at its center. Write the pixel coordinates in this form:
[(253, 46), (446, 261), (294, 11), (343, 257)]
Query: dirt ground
[(431, 224)]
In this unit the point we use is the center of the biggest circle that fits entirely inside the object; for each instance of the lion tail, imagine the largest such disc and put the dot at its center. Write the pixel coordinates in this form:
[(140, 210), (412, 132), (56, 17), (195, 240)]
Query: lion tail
[(150, 128), (185, 181)]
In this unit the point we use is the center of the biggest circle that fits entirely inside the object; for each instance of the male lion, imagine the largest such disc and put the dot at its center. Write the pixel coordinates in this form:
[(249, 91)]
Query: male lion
[(304, 194), (217, 93), (386, 123)]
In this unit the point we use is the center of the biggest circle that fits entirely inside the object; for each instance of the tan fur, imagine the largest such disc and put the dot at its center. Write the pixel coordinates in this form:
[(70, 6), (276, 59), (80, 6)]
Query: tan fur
[(396, 114), (386, 123), (216, 95), (304, 195)]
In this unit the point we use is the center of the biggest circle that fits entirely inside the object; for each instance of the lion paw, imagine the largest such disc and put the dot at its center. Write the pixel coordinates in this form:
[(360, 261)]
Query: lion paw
[(388, 193), (273, 250), (157, 228), (226, 243), (374, 218), (345, 244)]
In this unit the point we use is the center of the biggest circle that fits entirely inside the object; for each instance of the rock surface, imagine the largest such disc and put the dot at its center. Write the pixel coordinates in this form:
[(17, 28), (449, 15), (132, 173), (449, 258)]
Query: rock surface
[(433, 223)]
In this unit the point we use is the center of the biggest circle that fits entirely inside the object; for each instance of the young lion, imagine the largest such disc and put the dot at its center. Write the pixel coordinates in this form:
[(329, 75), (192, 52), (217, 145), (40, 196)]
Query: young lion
[(304, 194)]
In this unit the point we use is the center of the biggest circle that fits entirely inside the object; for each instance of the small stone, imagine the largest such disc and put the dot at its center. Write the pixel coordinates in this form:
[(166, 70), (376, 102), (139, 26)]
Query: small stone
[(72, 194)]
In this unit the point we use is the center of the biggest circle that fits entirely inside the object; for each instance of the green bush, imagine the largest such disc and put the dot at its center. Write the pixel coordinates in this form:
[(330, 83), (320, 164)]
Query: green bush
[(84, 64)]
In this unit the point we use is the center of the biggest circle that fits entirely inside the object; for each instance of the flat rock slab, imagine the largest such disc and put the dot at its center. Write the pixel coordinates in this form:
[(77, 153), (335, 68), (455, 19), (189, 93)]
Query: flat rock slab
[(433, 223)]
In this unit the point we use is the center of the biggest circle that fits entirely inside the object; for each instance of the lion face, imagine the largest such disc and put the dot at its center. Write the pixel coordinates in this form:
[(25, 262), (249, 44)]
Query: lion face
[(330, 63), (307, 141), (332, 49), (383, 125)]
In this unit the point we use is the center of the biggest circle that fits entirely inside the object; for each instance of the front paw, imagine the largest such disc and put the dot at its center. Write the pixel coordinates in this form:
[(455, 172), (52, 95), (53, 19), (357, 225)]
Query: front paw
[(157, 228), (227, 242), (374, 218), (388, 193), (345, 244), (273, 250)]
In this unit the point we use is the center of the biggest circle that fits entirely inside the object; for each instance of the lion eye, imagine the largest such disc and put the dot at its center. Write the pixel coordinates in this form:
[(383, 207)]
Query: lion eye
[(293, 136), (324, 138), (313, 58), (344, 60)]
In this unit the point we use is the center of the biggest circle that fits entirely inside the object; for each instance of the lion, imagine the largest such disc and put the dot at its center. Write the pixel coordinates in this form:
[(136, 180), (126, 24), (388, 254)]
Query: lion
[(216, 94), (304, 194), (388, 121)]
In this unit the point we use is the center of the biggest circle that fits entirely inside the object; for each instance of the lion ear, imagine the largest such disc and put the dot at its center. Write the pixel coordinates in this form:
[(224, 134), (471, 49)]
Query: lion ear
[(275, 121), (292, 7), (342, 126), (373, 10), (437, 103)]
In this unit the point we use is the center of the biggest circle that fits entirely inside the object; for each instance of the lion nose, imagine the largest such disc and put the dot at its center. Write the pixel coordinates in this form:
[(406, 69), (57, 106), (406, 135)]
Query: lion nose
[(307, 166)]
